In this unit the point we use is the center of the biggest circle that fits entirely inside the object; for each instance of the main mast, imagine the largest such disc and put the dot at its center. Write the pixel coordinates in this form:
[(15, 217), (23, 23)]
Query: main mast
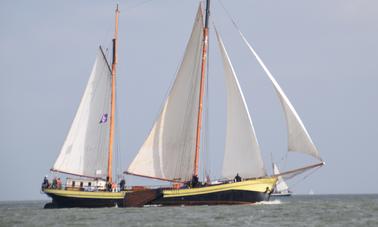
[(111, 133), (203, 72)]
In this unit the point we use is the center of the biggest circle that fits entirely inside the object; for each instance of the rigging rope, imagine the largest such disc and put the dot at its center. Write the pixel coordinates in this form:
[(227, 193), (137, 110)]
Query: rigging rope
[(304, 177), (129, 9), (229, 15)]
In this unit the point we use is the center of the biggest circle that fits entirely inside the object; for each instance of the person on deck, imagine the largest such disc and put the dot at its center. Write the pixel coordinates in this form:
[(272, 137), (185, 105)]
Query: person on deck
[(45, 183), (122, 184), (54, 183), (195, 182), (109, 186), (114, 187), (58, 183), (237, 178)]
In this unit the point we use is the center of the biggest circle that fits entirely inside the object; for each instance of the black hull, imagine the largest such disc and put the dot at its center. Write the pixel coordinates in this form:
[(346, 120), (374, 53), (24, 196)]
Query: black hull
[(230, 197), (281, 195), (71, 202), (245, 192)]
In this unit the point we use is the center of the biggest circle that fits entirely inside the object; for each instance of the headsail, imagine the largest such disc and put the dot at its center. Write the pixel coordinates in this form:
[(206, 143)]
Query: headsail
[(298, 138), (242, 151), (281, 184), (169, 150), (84, 151)]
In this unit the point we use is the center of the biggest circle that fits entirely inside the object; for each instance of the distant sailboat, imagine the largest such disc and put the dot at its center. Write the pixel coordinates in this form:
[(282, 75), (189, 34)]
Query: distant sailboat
[(281, 188)]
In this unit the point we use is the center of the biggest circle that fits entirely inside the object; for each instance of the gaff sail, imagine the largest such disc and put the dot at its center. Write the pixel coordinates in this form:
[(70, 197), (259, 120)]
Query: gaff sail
[(169, 150), (84, 151)]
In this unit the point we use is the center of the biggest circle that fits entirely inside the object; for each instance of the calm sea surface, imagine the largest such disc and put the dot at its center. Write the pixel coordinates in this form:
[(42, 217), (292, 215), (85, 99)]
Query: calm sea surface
[(316, 210)]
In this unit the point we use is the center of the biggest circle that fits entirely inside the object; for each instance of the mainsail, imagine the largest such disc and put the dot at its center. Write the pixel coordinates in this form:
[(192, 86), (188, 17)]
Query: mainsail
[(281, 185), (84, 151), (242, 151), (169, 150), (298, 138)]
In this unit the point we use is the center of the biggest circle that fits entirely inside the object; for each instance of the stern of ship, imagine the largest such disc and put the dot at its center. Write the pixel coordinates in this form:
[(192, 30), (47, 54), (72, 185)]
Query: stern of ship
[(87, 199)]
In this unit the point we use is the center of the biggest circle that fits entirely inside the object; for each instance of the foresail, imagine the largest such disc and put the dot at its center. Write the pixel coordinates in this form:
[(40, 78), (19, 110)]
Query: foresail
[(281, 184), (169, 150), (84, 151), (242, 151), (298, 138)]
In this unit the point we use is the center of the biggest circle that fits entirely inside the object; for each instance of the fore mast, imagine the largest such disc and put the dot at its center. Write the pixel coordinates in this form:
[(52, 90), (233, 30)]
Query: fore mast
[(111, 132)]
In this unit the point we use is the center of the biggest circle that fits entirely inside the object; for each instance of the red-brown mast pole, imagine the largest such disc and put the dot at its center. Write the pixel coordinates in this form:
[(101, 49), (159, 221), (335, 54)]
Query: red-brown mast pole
[(111, 136), (203, 73)]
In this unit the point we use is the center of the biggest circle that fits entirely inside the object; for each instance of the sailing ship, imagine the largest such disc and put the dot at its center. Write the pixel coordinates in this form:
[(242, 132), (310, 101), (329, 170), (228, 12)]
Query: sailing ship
[(88, 149), (281, 188), (171, 150)]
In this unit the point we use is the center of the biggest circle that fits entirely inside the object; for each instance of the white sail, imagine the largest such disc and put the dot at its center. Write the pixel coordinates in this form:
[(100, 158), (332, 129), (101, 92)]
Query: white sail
[(242, 151), (85, 149), (169, 150), (281, 185), (298, 138)]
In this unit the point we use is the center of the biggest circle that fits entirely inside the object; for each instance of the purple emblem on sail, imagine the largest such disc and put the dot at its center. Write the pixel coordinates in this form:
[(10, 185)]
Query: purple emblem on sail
[(104, 118)]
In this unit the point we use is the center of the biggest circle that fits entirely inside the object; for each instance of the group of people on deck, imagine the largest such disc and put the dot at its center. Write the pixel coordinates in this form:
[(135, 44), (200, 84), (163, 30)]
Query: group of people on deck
[(195, 183), (112, 187), (55, 184)]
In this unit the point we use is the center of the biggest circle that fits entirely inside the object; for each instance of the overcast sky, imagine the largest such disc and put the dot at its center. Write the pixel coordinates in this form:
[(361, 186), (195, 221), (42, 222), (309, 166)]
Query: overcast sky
[(323, 53)]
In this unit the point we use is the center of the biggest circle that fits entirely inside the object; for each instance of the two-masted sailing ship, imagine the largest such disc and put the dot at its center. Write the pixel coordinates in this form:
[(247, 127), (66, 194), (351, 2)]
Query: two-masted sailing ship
[(171, 152)]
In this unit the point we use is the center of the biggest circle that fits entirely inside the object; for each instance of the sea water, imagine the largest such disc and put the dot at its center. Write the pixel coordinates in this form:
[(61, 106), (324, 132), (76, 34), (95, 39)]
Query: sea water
[(297, 210)]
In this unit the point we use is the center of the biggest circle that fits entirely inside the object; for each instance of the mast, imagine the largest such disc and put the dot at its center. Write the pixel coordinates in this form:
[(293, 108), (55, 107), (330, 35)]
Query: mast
[(111, 133), (203, 72), (271, 159)]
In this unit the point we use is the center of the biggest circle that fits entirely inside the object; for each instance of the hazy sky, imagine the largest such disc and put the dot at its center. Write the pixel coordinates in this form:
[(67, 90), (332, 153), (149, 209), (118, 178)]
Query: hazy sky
[(324, 54)]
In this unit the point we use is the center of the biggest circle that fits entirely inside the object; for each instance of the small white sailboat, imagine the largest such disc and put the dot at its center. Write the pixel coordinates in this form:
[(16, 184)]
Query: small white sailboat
[(281, 188)]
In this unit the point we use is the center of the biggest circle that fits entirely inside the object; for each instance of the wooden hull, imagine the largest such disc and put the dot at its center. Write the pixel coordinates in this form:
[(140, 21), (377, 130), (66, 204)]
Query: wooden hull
[(70, 199), (245, 192)]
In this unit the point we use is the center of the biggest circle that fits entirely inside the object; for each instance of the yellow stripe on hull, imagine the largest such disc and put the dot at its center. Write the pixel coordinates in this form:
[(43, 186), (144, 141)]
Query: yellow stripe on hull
[(257, 185), (84, 194)]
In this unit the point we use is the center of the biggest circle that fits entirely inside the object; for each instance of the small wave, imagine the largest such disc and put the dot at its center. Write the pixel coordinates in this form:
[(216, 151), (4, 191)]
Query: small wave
[(152, 205), (272, 202)]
